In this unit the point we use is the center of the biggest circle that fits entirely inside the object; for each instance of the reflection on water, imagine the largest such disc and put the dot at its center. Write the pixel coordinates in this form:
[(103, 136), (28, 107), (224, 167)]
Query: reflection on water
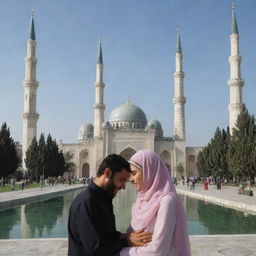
[(122, 207), (49, 218), (229, 222), (7, 221), (40, 220), (43, 219)]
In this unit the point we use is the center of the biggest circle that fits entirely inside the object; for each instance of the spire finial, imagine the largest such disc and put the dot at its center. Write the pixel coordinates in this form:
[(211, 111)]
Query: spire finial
[(234, 28), (32, 35), (178, 43), (100, 58), (129, 99)]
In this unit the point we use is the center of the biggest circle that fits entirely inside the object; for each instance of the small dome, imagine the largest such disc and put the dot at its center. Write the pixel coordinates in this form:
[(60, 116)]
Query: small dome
[(85, 131), (86, 127), (106, 125), (155, 124), (127, 112)]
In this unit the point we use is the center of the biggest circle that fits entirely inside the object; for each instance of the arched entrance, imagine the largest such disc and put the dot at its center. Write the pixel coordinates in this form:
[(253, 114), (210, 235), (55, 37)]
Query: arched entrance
[(191, 166), (128, 153), (86, 170), (166, 158)]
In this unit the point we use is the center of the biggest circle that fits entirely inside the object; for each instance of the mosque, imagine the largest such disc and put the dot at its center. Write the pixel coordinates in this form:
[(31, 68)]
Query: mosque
[(127, 128)]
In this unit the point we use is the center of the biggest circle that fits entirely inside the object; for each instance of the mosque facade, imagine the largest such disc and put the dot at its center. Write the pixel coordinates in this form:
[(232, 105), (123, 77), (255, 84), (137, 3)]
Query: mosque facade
[(127, 128)]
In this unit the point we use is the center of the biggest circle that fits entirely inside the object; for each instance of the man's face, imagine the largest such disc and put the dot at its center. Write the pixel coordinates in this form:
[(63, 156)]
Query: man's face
[(117, 182)]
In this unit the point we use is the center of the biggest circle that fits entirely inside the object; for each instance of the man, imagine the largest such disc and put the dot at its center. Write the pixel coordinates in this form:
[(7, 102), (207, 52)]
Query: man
[(91, 225)]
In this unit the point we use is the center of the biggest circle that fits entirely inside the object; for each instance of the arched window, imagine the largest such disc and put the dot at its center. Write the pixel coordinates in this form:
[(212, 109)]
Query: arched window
[(86, 170), (128, 153)]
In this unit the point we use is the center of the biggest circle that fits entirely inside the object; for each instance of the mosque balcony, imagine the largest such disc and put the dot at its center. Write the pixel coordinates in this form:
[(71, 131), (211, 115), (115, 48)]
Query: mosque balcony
[(30, 83), (99, 106), (236, 107), (235, 59), (34, 116), (181, 100), (236, 82), (30, 59), (179, 74), (99, 84)]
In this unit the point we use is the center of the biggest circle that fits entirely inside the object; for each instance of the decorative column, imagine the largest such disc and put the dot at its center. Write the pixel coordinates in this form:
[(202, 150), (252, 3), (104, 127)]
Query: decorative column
[(179, 100), (235, 82), (30, 116), (99, 106)]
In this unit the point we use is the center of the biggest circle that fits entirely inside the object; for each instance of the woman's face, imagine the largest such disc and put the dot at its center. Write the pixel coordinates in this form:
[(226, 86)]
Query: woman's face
[(137, 177)]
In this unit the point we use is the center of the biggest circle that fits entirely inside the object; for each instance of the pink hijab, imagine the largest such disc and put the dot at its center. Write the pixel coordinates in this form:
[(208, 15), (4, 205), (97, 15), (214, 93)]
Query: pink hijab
[(157, 184)]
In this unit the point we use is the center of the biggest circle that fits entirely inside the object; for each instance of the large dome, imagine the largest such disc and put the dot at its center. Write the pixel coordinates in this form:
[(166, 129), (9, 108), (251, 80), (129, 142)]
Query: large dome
[(127, 112)]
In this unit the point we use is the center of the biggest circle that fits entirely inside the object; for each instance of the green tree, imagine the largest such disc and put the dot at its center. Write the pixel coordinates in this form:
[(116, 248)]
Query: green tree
[(70, 166), (54, 158), (212, 160), (203, 164), (8, 155), (61, 164), (31, 158), (41, 157), (242, 147)]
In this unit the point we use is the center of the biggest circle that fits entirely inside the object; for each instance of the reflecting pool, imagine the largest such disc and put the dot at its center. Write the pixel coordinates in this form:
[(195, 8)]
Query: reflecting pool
[(48, 219)]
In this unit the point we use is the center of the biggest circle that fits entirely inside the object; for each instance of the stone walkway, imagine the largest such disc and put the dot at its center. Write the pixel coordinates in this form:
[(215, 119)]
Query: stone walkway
[(18, 197), (221, 245), (228, 196)]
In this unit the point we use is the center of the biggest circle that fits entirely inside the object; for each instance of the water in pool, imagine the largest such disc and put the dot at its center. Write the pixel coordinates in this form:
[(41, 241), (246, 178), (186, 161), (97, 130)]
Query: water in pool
[(48, 219)]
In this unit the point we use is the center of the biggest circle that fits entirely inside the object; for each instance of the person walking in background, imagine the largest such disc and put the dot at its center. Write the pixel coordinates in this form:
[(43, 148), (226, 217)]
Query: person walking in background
[(206, 183), (218, 182), (13, 182)]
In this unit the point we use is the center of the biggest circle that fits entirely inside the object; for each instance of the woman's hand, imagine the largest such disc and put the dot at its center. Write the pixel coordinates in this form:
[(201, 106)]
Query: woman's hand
[(139, 238)]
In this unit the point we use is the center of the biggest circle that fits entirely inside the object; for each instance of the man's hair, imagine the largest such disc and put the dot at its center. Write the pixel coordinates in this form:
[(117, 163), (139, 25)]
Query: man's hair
[(114, 162)]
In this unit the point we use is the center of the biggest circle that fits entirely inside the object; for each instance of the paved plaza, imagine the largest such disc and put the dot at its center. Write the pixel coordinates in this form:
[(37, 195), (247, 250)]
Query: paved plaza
[(237, 245), (228, 196), (202, 245)]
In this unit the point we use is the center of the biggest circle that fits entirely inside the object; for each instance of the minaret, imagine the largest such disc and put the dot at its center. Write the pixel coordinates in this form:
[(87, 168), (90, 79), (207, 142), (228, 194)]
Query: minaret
[(30, 116), (179, 100), (99, 106), (235, 82)]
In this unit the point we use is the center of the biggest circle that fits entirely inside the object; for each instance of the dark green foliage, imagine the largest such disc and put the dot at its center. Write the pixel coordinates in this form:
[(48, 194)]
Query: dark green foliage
[(7, 221), (212, 161), (41, 157), (8, 155), (44, 159), (242, 147), (221, 220), (228, 155), (70, 166), (36, 215), (31, 160)]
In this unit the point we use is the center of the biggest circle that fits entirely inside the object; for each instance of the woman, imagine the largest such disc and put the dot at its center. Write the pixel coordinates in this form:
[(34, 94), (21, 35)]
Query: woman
[(157, 209), (206, 184)]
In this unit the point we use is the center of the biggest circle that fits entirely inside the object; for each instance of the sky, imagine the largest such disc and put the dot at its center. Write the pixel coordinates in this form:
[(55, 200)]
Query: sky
[(139, 45)]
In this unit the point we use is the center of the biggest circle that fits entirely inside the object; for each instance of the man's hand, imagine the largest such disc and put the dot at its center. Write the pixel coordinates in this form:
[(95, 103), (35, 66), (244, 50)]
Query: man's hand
[(139, 238)]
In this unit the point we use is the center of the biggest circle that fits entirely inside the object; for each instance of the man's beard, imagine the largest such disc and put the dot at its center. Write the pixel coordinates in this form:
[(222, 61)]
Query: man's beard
[(111, 187)]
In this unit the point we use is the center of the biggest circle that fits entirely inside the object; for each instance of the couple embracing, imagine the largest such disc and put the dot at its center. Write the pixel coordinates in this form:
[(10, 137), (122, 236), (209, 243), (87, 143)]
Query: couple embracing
[(158, 223)]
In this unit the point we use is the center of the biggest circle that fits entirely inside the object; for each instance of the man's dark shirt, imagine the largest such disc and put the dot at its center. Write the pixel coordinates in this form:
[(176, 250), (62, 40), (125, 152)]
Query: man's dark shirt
[(91, 225)]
